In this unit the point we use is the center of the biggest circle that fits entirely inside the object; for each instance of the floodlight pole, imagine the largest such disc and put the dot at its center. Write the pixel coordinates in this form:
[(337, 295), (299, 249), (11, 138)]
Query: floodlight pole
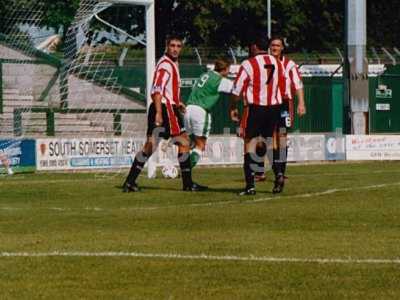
[(356, 66)]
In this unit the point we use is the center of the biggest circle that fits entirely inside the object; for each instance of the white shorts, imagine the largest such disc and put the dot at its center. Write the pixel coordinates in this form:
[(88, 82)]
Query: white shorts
[(197, 121)]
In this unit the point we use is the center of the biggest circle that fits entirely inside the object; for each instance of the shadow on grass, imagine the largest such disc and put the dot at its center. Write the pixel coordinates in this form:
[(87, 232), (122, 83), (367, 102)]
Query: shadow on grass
[(179, 189)]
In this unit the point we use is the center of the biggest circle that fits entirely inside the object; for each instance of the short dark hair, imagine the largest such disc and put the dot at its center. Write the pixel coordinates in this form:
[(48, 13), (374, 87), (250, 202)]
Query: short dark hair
[(173, 37), (260, 39), (221, 64), (276, 37)]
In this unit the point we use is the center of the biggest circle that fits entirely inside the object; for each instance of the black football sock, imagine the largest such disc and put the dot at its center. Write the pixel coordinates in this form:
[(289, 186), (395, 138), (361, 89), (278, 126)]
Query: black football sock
[(137, 167), (248, 170), (186, 169), (270, 156), (276, 165), (280, 161), (284, 164), (260, 151)]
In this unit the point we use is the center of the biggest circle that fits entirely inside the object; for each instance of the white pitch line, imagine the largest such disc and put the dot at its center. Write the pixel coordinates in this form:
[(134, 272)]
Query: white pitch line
[(238, 201), (11, 208), (344, 174), (36, 181), (327, 192), (251, 258)]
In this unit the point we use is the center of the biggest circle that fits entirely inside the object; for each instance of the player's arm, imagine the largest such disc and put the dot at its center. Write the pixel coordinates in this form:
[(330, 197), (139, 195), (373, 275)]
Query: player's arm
[(160, 81), (182, 107), (238, 88), (225, 86), (299, 87), (158, 106), (233, 110), (301, 107)]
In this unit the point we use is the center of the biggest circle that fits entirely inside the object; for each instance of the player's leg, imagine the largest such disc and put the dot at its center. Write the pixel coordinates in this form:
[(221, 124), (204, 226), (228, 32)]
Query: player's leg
[(261, 151), (280, 148), (154, 136), (251, 129), (197, 151), (289, 124), (197, 124), (183, 143), (249, 166)]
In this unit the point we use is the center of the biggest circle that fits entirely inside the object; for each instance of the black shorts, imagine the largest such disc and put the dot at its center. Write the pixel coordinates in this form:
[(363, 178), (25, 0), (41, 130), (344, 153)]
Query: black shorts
[(173, 124), (286, 118), (260, 121)]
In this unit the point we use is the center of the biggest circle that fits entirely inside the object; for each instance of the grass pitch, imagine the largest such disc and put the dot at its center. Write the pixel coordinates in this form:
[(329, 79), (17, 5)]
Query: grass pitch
[(334, 233)]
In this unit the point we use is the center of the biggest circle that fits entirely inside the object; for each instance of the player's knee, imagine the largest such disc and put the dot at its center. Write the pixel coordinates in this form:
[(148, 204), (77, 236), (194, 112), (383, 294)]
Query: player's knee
[(182, 142), (201, 143), (261, 149), (149, 147)]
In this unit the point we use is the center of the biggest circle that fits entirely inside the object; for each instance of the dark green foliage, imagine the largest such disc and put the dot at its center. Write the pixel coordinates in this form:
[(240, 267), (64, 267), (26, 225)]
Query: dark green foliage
[(307, 24)]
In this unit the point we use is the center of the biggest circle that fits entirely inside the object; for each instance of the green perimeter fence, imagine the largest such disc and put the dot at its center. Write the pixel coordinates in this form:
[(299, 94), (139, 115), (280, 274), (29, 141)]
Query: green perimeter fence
[(324, 96)]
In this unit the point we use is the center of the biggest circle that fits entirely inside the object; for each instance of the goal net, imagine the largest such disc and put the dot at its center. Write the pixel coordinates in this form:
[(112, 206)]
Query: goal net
[(88, 80)]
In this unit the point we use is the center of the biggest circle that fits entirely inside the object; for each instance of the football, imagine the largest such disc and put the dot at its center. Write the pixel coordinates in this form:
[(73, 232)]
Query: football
[(170, 172)]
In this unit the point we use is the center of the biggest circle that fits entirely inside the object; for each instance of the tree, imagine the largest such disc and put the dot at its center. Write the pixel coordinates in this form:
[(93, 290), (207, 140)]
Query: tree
[(309, 24), (383, 23), (321, 25), (59, 13), (219, 23)]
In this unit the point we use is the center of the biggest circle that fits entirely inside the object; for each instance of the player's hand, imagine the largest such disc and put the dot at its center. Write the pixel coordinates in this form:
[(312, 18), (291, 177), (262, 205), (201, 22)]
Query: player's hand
[(182, 107), (301, 109), (235, 115), (159, 119)]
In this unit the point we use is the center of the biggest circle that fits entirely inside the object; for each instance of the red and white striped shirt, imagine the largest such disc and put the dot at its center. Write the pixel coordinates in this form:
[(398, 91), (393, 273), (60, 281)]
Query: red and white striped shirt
[(167, 81), (293, 77), (255, 84)]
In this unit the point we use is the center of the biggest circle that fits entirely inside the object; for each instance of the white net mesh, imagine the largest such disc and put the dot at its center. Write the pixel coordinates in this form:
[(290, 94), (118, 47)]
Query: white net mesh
[(84, 79), (77, 86)]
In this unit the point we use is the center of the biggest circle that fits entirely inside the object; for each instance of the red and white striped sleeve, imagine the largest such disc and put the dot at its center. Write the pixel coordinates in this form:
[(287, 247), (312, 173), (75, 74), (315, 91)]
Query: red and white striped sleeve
[(240, 82), (295, 77), (160, 81)]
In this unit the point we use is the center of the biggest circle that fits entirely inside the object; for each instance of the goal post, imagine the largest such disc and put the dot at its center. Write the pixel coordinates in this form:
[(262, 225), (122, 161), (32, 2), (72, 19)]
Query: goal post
[(150, 59), (150, 39)]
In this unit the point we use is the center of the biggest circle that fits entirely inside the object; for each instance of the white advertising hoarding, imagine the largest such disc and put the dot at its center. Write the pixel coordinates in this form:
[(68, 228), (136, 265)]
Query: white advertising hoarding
[(373, 147), (226, 150), (86, 153), (306, 147), (114, 153)]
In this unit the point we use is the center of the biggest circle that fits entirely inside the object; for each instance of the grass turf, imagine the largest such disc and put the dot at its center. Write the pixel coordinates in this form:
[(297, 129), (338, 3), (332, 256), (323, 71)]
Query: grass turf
[(348, 211)]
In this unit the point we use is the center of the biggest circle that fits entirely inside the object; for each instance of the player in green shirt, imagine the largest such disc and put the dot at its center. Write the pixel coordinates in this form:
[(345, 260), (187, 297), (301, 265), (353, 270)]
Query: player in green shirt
[(204, 96)]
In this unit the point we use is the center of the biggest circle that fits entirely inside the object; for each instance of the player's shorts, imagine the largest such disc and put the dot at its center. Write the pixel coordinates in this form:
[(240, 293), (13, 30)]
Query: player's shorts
[(172, 126), (260, 121), (286, 115), (197, 121)]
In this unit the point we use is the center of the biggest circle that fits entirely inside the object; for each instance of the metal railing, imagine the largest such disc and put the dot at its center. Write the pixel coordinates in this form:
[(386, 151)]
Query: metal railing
[(50, 117)]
